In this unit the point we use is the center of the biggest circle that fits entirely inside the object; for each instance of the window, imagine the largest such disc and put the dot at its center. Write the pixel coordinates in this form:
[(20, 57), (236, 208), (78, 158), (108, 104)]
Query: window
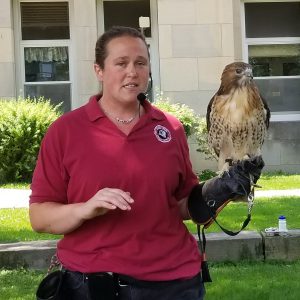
[(46, 64), (272, 32), (45, 20), (126, 13), (45, 38)]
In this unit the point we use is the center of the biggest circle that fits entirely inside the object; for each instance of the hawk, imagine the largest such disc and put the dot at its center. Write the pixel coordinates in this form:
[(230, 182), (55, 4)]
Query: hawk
[(237, 117)]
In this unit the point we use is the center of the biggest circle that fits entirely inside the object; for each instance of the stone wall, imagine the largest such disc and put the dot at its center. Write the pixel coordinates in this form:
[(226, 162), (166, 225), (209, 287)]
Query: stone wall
[(247, 245), (282, 147), (196, 41)]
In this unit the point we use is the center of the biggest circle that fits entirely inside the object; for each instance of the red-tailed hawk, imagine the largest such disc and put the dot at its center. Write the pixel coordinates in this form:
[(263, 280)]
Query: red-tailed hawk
[(237, 116)]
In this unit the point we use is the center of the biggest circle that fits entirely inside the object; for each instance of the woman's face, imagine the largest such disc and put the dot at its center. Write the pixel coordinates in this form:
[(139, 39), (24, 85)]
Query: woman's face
[(126, 69)]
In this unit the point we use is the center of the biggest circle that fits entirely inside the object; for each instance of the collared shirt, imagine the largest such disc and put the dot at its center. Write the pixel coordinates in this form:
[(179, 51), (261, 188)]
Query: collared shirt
[(83, 152)]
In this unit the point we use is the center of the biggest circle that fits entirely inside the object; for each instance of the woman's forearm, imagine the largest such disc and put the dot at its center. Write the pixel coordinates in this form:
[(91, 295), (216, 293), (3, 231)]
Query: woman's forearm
[(55, 218)]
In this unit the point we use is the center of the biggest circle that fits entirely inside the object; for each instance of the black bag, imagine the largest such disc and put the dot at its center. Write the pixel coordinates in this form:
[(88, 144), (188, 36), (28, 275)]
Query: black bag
[(50, 288)]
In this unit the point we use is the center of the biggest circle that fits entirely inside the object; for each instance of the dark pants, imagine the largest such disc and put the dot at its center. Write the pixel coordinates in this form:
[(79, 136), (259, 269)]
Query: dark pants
[(79, 286)]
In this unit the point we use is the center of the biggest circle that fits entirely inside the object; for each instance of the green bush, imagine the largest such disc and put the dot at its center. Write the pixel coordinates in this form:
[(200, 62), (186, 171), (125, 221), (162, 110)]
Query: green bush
[(182, 112), (201, 139), (23, 123), (206, 174)]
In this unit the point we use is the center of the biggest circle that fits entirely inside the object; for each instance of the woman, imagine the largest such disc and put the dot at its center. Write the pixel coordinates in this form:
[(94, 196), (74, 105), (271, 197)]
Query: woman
[(113, 177)]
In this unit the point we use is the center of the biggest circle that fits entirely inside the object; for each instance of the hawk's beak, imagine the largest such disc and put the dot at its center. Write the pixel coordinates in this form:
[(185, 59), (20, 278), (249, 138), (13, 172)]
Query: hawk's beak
[(248, 73)]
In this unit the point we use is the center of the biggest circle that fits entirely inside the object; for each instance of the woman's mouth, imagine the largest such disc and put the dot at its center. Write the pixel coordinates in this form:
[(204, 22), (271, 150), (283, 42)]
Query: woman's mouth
[(130, 85)]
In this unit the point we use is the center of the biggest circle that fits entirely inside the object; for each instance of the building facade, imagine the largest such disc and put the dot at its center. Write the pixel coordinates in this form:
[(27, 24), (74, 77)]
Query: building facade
[(47, 49)]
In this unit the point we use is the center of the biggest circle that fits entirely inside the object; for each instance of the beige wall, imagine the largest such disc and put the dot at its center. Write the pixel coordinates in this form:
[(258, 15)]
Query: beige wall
[(83, 35), (195, 43), (7, 61)]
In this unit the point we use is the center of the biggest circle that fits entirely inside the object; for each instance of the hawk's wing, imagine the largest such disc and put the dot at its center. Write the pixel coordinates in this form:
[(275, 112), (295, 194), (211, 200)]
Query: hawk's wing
[(208, 125), (268, 113), (209, 107)]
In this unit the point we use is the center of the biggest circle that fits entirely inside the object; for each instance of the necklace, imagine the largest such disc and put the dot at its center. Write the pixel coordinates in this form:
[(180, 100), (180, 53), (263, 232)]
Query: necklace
[(119, 120)]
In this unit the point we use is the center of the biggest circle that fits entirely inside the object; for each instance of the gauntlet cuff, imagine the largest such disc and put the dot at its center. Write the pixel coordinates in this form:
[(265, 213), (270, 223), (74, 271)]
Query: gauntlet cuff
[(200, 211)]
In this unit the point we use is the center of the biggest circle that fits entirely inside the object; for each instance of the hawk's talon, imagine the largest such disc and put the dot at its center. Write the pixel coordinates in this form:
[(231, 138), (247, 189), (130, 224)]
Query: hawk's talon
[(224, 170), (223, 173), (256, 185)]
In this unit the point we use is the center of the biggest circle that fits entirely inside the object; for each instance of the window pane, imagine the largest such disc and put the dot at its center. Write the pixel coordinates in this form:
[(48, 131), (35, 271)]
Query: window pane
[(45, 20), (276, 19), (57, 93), (282, 94), (275, 60), (126, 13), (46, 64)]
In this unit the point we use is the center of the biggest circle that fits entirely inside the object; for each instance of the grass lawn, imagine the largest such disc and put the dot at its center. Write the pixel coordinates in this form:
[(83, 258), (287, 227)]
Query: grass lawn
[(15, 227), (253, 281), (265, 214), (19, 284), (19, 185), (279, 181), (241, 281), (15, 224)]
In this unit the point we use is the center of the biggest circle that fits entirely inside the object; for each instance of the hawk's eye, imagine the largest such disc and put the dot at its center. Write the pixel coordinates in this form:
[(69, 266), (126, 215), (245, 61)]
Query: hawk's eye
[(239, 71)]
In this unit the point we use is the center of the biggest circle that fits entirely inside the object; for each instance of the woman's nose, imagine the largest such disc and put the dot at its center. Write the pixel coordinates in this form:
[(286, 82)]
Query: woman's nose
[(132, 70)]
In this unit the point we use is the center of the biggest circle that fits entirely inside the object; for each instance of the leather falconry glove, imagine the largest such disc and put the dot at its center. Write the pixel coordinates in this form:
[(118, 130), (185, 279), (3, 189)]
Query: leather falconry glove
[(207, 199)]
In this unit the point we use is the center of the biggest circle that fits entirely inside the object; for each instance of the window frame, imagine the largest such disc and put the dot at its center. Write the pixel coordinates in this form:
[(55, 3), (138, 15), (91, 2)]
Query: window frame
[(282, 116), (21, 44)]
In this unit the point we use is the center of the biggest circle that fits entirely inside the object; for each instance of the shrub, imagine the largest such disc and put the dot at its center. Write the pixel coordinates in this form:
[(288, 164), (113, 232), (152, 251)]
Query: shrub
[(182, 112), (23, 123), (206, 174), (201, 139)]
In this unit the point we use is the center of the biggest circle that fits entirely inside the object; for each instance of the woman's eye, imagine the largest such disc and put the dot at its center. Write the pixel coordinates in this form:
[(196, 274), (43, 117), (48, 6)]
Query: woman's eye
[(141, 63), (121, 63)]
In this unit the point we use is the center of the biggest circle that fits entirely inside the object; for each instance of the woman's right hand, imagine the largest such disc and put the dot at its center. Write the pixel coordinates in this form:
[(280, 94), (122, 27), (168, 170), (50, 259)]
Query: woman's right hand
[(105, 200)]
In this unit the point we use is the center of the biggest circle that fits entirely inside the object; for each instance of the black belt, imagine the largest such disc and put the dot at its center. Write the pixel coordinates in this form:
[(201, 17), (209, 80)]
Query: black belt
[(128, 280)]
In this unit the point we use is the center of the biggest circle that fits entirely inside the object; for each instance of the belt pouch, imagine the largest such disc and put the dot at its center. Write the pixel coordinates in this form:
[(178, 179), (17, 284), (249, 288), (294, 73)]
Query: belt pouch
[(50, 287), (102, 286)]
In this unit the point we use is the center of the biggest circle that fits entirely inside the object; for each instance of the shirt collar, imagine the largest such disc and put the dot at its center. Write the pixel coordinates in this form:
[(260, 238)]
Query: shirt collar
[(153, 112), (94, 111)]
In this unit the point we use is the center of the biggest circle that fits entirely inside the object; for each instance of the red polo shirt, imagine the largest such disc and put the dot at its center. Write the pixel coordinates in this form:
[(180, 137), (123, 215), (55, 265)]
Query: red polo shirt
[(82, 152)]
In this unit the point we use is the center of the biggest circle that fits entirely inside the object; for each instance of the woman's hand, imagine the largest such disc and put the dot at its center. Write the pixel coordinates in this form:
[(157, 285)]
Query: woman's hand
[(105, 200)]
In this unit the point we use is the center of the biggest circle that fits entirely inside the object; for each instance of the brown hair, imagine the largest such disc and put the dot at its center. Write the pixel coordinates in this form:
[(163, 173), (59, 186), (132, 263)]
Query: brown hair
[(110, 34)]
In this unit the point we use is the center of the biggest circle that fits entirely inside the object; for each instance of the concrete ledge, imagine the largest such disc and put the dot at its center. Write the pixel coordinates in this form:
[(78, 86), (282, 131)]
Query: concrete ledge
[(247, 245), (286, 247), (34, 255)]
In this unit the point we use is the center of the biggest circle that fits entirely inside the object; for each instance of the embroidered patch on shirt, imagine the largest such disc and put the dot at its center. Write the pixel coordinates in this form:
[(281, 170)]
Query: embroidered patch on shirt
[(162, 134)]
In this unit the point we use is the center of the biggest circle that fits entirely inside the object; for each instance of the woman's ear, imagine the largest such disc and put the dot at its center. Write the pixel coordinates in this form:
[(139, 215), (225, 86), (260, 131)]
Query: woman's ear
[(98, 72)]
